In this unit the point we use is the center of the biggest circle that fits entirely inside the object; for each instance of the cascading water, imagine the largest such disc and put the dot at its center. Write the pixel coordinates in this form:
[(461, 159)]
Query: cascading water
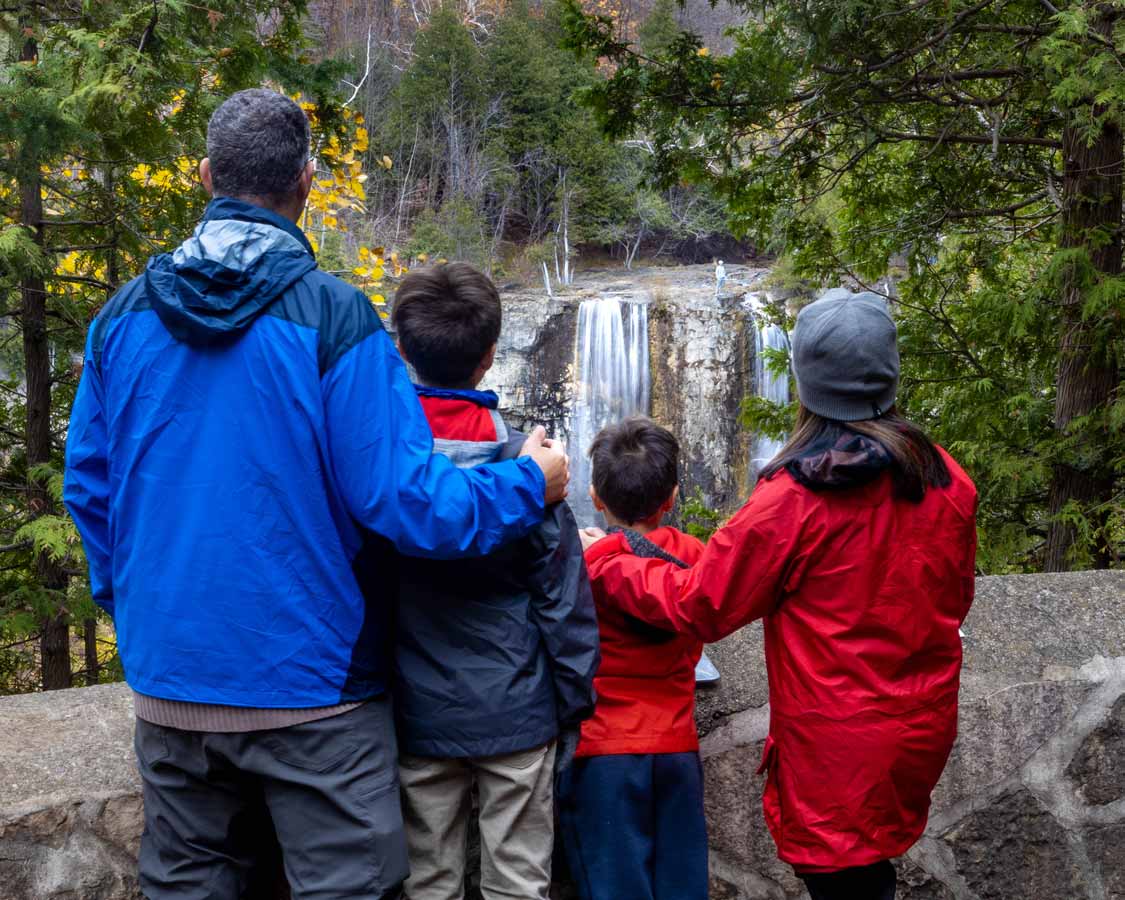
[(613, 382), (771, 386)]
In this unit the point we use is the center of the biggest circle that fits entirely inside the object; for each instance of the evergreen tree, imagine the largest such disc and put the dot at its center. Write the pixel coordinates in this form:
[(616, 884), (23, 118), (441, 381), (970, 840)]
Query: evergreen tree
[(978, 147), (660, 30), (105, 109)]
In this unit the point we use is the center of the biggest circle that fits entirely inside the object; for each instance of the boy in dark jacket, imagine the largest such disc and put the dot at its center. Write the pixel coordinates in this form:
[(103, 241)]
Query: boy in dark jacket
[(496, 656), (631, 805)]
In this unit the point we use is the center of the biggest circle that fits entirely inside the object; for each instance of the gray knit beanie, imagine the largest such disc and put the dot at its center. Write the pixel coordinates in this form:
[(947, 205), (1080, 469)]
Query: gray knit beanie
[(845, 356)]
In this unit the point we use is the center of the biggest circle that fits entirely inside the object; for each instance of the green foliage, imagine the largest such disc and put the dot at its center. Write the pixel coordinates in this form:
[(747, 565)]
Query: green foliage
[(878, 139), (488, 118), (660, 30), (697, 518), (105, 111), (456, 231), (20, 254)]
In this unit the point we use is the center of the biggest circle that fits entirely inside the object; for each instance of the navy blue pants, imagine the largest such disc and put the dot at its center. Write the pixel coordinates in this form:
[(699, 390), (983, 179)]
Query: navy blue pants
[(633, 826)]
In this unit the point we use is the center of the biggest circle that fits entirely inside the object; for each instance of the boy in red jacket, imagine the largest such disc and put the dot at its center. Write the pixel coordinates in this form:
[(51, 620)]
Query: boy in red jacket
[(631, 803)]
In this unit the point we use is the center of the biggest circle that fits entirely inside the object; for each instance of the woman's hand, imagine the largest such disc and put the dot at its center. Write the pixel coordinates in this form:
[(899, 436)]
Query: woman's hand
[(590, 536)]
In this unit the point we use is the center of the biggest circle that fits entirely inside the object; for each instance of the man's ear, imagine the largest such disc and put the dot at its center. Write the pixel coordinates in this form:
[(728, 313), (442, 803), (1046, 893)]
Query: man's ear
[(205, 176)]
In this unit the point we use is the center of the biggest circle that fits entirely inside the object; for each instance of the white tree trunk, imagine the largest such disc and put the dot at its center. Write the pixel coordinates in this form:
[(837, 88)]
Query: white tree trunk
[(547, 279)]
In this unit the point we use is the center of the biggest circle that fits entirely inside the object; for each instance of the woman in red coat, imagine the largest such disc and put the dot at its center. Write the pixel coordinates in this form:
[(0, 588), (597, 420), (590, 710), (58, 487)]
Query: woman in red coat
[(857, 550)]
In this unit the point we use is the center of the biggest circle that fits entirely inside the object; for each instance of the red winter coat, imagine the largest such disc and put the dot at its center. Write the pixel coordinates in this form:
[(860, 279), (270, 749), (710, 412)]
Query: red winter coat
[(862, 595), (646, 680)]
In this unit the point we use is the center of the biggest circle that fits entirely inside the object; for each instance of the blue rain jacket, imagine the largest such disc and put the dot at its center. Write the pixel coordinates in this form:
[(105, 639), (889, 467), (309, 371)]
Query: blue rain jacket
[(242, 426)]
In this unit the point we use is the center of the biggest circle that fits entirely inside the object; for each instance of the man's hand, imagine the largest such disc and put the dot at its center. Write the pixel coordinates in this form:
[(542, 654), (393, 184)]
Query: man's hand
[(590, 536), (551, 458)]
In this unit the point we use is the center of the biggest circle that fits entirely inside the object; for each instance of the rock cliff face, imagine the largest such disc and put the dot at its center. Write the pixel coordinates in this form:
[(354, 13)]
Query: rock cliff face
[(700, 353)]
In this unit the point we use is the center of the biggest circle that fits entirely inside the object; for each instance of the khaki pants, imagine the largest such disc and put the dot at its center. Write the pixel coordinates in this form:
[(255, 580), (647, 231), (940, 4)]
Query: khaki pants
[(516, 824)]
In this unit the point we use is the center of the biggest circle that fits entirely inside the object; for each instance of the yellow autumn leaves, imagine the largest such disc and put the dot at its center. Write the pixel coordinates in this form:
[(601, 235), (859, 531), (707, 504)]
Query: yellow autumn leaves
[(373, 267)]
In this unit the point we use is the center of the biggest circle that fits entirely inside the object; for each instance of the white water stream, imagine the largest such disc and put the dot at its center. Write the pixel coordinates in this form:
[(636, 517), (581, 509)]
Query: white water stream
[(613, 383), (772, 387)]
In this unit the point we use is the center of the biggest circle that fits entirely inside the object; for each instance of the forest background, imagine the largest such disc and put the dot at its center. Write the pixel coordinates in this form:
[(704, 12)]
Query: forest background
[(965, 157)]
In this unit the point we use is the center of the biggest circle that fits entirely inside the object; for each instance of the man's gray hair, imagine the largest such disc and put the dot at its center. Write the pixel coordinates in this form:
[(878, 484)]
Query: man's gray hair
[(258, 144)]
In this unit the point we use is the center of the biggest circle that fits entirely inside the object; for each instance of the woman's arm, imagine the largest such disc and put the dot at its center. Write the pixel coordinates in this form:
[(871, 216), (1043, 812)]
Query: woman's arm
[(741, 577)]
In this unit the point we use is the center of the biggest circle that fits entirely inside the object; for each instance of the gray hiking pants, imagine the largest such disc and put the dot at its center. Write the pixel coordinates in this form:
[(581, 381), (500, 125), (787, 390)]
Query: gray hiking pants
[(331, 788)]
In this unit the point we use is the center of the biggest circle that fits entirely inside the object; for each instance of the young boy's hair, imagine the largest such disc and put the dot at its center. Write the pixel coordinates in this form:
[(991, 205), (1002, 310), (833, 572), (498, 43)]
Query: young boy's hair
[(446, 318), (634, 467)]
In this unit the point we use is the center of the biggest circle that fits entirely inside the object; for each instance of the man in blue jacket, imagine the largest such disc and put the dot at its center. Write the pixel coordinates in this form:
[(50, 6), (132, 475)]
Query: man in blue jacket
[(242, 426)]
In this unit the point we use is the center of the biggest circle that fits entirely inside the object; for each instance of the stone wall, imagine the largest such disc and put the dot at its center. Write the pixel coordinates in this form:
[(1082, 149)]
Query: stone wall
[(1032, 803)]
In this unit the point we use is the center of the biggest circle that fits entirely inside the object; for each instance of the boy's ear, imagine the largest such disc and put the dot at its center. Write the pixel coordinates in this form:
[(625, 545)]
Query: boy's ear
[(671, 501), (598, 505), (485, 364)]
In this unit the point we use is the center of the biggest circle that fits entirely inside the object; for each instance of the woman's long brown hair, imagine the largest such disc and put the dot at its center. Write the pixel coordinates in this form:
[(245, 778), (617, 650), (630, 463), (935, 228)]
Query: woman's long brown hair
[(916, 463)]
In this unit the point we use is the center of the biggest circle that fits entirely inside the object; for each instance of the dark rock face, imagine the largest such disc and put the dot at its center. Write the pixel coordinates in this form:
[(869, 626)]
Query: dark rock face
[(1099, 765), (915, 883), (1106, 846), (534, 363), (1015, 848), (702, 368)]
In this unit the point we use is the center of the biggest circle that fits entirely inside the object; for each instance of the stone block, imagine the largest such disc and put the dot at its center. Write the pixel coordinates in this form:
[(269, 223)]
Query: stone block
[(999, 732), (1030, 806)]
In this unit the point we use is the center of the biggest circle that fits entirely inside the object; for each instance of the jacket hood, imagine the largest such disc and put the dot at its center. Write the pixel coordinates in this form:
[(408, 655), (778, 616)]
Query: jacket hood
[(467, 427), (239, 260), (844, 460)]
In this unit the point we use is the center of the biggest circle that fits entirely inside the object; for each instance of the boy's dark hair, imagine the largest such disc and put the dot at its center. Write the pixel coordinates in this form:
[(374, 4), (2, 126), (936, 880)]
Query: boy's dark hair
[(446, 318), (634, 467)]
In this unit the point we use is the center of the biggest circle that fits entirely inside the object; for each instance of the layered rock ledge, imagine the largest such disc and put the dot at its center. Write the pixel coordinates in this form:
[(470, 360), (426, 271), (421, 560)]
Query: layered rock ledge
[(1032, 804)]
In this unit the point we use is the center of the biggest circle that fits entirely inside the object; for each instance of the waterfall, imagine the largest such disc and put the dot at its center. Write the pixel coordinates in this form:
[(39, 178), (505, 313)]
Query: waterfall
[(613, 382), (771, 386)]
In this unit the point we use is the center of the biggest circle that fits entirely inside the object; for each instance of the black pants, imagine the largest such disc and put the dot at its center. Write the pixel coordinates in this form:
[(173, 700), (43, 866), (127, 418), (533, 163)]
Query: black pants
[(330, 787), (877, 882)]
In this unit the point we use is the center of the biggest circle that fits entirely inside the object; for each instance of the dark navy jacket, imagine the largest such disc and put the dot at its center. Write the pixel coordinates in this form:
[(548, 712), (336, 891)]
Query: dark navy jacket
[(493, 655), (242, 418)]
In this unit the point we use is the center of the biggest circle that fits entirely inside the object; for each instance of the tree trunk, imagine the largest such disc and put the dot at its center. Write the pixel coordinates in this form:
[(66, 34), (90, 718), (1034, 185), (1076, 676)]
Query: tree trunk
[(54, 641), (1087, 368), (90, 645)]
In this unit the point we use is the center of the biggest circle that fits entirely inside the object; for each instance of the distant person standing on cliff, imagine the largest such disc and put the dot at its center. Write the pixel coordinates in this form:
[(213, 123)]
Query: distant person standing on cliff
[(720, 277), (243, 423), (857, 550)]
